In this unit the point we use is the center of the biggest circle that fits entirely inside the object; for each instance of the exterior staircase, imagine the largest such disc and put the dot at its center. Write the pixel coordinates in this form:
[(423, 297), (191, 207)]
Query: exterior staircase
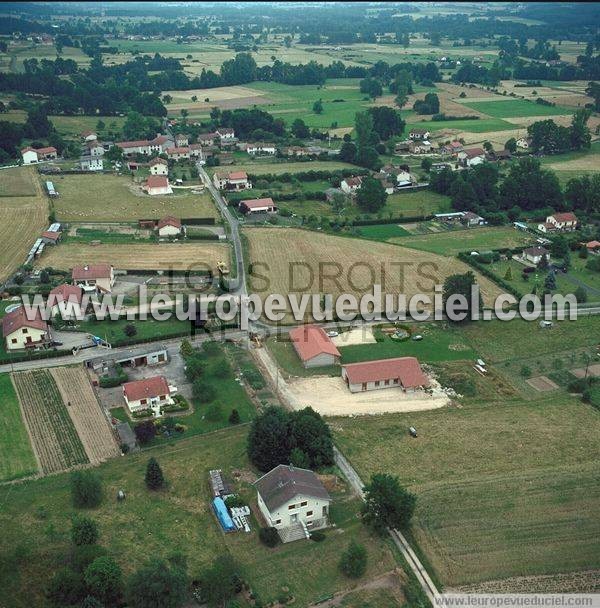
[(293, 532)]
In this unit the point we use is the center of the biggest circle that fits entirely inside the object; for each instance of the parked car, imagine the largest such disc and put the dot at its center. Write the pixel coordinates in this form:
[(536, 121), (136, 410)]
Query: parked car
[(413, 431), (333, 334), (417, 337)]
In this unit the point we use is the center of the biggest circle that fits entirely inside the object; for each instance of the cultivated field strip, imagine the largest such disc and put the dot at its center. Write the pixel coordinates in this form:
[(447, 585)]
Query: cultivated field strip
[(92, 426), (52, 430)]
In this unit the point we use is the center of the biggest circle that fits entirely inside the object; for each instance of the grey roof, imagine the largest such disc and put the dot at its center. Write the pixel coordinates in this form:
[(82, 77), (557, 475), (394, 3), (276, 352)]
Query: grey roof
[(284, 482)]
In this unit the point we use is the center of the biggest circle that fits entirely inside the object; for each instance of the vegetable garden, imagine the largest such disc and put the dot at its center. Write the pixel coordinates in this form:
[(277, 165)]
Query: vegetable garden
[(52, 431)]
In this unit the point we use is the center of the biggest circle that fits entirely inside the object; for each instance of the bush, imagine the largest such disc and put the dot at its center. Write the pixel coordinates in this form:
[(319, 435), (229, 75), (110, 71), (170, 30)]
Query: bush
[(269, 537), (145, 431), (82, 556), (525, 371), (154, 476), (86, 489), (234, 417), (353, 562), (317, 536), (84, 531), (130, 330)]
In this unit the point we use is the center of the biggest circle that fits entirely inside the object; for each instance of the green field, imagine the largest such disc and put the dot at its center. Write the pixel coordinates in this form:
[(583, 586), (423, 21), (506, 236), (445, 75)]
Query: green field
[(512, 108), (504, 488), (418, 203), (473, 239), (16, 455), (259, 167), (437, 345), (382, 232), (106, 198), (36, 521)]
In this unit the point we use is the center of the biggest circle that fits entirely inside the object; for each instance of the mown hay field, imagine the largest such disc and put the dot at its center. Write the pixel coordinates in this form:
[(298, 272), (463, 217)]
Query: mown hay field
[(108, 198), (24, 216), (299, 261), (163, 256), (504, 488)]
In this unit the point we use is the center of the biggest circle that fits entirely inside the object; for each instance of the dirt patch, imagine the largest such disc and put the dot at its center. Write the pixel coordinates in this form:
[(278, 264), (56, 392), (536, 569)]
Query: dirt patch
[(542, 384), (586, 163), (331, 397), (593, 370), (360, 335)]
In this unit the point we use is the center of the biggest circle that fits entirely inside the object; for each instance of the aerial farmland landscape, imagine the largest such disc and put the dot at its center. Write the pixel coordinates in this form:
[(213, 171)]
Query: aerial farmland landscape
[(299, 304)]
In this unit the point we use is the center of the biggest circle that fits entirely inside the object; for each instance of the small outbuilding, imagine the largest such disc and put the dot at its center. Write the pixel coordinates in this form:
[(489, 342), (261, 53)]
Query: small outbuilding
[(314, 346)]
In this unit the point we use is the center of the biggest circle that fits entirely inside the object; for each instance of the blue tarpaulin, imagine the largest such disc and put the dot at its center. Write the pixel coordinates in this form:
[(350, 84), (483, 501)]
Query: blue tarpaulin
[(223, 515)]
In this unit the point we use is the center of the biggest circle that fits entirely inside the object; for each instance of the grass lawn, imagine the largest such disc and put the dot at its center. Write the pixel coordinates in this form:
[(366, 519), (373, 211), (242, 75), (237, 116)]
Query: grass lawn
[(473, 239), (512, 108), (499, 341), (288, 361), (382, 232), (150, 329), (503, 488), (36, 521), (16, 455), (74, 125), (438, 344), (106, 198), (419, 203), (260, 167)]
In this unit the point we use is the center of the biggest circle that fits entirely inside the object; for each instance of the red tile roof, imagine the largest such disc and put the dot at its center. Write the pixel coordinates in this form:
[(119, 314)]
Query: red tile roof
[(473, 152), (593, 244), (180, 150), (133, 144), (238, 175), (91, 271), (565, 217), (48, 150), (17, 319), (207, 136), (310, 341), (65, 293), (258, 202), (157, 161), (146, 389), (406, 369), (51, 234), (157, 181), (353, 181), (169, 220), (28, 149)]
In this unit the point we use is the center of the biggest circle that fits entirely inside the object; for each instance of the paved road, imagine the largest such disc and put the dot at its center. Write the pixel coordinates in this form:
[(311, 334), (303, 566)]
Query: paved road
[(399, 540)]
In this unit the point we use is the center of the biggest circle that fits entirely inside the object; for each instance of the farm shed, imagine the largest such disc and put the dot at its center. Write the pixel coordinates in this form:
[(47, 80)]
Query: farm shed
[(134, 357), (259, 205), (313, 346)]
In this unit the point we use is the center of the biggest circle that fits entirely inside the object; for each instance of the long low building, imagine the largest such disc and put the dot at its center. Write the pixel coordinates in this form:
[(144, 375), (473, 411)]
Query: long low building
[(313, 346), (258, 205), (402, 372)]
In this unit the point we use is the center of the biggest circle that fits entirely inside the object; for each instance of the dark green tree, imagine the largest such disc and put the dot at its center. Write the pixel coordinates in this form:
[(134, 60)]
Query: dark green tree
[(221, 582), (387, 503), (157, 585), (66, 588), (460, 284), (234, 417), (154, 476), (299, 129), (371, 196), (269, 439)]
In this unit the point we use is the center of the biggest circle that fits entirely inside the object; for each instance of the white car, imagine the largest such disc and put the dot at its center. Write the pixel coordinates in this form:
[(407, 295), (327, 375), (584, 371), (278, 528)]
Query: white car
[(333, 334)]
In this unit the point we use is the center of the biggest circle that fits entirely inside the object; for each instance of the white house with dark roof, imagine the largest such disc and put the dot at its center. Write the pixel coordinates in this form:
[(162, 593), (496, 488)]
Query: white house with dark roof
[(293, 500), (535, 254)]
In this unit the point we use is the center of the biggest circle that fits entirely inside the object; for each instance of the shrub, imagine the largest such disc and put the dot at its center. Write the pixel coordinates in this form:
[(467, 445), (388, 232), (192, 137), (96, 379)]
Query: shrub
[(234, 417), (269, 537), (234, 501), (317, 536), (84, 531), (353, 562), (82, 556), (145, 431), (154, 476), (130, 330), (86, 489), (525, 371)]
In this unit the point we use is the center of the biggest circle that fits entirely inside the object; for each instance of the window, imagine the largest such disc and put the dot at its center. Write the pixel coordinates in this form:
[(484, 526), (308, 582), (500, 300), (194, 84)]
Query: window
[(277, 522), (143, 401), (291, 507), (14, 341), (24, 330), (387, 382), (303, 504), (376, 382), (309, 513)]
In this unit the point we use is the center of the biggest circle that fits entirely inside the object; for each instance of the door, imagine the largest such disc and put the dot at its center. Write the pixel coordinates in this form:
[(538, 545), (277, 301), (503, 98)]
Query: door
[(294, 518)]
